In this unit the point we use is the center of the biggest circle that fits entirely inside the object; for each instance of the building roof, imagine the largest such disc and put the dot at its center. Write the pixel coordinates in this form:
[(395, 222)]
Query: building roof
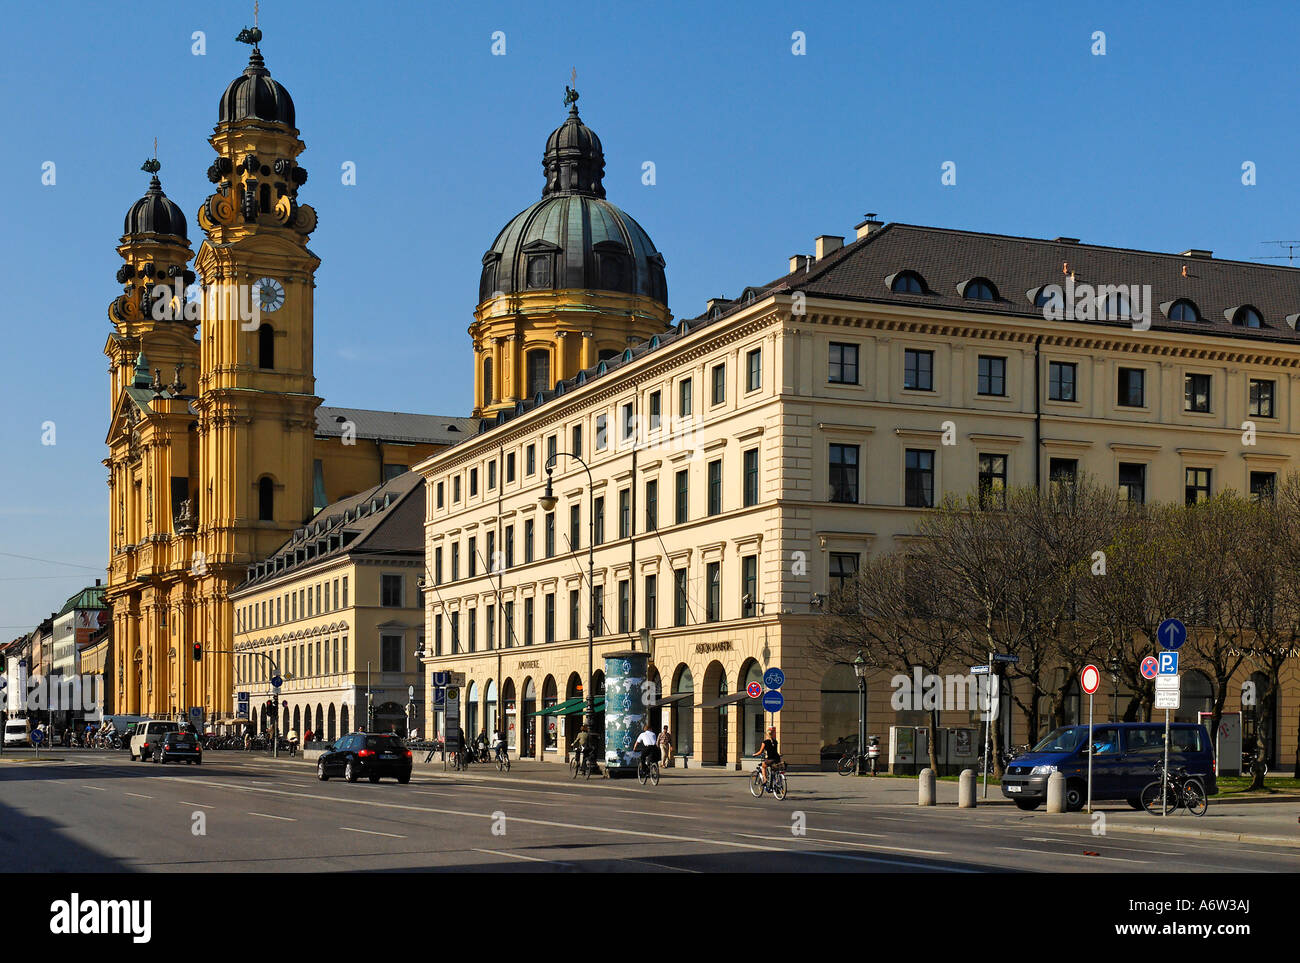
[(254, 95), (396, 426), (384, 520), (91, 597), (155, 213)]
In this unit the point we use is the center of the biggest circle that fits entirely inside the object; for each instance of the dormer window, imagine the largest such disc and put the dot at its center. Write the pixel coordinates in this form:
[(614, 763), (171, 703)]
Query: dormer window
[(1113, 307), (907, 282), (1248, 317), (1184, 310), (978, 289), (539, 271)]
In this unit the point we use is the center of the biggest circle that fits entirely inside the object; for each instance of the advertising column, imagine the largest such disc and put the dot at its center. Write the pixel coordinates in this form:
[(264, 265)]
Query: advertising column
[(625, 710)]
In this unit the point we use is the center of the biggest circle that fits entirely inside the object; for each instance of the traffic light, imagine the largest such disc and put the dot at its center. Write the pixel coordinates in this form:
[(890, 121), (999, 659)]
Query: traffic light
[(198, 651)]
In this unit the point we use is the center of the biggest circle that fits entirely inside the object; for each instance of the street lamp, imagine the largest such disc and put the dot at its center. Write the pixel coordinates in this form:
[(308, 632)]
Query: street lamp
[(860, 670), (548, 502), (1114, 666)]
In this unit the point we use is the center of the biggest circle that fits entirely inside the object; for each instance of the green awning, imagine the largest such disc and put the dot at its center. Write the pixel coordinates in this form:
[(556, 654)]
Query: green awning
[(599, 706), (560, 709)]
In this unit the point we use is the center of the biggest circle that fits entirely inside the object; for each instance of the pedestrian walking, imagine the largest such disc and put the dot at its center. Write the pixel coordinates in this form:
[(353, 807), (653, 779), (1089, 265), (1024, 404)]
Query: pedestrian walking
[(666, 747)]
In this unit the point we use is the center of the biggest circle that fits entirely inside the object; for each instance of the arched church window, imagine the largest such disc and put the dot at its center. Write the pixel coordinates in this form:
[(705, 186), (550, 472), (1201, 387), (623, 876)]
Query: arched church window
[(266, 346), (265, 499), (538, 367), (488, 396)]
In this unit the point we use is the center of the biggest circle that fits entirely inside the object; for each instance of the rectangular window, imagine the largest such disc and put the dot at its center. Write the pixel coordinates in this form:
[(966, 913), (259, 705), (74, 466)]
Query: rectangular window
[(1261, 398), (473, 482), (624, 600), (719, 383), (472, 551), (390, 591), (491, 563), (843, 364), (550, 450), (679, 596), (345, 591), (575, 527), (575, 615), (455, 635), (625, 513), (1061, 379), (472, 630), (992, 481), (713, 605), (455, 489), (651, 602), (440, 490), (490, 624), (651, 505), (918, 370), (437, 641), (510, 467), (455, 561), (656, 410), (598, 611), (1133, 482), (390, 658), (748, 586), (492, 475), (530, 460), (844, 565), (992, 375), (1132, 388), (576, 445), (528, 540), (602, 432), (509, 627), (528, 621), (749, 484), (510, 546), (627, 422), (1197, 487), (336, 588), (1196, 392), (685, 399), (715, 487), (550, 534), (1062, 473), (683, 495), (919, 478), (599, 520), (754, 370), (844, 473), (1263, 485), (549, 627)]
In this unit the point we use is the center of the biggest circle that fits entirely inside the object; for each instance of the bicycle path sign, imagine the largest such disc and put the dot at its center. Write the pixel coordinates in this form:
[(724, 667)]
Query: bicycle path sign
[(774, 678)]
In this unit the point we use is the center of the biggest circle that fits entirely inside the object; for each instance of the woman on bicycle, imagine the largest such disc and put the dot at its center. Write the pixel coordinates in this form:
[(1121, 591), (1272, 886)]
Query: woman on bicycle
[(768, 750)]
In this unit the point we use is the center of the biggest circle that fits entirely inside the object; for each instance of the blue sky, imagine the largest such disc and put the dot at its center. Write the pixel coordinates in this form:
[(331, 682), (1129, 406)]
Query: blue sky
[(757, 151)]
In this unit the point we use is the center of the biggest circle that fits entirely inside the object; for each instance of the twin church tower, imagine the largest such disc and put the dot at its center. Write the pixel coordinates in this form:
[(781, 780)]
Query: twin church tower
[(217, 446)]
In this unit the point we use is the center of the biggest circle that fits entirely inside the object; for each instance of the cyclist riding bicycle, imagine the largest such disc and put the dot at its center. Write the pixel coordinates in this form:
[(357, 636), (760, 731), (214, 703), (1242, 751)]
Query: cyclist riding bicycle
[(768, 750), (581, 742), (648, 745), (499, 743)]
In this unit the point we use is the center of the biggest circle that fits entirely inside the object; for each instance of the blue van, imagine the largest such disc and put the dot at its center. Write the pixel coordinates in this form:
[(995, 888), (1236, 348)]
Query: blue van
[(1124, 755)]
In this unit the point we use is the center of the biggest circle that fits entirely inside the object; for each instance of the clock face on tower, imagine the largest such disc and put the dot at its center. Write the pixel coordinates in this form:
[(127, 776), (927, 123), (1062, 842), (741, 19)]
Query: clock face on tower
[(270, 294)]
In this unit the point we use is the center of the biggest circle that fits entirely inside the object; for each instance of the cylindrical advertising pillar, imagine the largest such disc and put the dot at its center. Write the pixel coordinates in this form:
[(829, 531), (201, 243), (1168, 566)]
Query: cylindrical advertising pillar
[(625, 708)]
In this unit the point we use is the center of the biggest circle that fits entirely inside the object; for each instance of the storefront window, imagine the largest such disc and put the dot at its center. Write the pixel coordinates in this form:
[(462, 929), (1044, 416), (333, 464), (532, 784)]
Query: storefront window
[(552, 723), (528, 720), (839, 728), (752, 711), (491, 714), (683, 726), (471, 711)]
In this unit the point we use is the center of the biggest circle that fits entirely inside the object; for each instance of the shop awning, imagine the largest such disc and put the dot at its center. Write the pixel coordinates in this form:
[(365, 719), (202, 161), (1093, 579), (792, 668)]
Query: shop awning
[(683, 699), (729, 700), (571, 708), (599, 706), (558, 709)]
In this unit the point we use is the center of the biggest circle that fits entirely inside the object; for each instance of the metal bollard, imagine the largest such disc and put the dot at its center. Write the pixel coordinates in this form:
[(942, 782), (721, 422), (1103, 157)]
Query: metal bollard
[(1056, 793), (966, 790), (925, 790)]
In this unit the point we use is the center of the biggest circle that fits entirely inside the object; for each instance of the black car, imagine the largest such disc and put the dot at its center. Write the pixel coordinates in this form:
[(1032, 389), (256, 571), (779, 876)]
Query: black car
[(370, 754), (179, 747)]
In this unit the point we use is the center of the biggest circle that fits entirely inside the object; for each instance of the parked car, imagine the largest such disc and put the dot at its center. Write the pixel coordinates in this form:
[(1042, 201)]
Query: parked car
[(147, 734), (1124, 755), (18, 732), (178, 747), (370, 754)]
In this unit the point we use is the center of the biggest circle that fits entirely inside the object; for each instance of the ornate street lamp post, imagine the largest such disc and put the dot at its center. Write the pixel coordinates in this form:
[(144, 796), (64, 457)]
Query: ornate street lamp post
[(860, 670)]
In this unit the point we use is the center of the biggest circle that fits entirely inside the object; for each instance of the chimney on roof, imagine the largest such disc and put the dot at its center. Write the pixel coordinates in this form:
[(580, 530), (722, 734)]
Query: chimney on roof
[(798, 262), (828, 244), (1197, 252), (1066, 240), (867, 226)]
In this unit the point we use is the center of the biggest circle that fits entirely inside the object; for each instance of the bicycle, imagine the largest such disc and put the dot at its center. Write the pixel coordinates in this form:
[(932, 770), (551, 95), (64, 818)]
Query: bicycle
[(647, 770), (775, 784), (1172, 791), (503, 759)]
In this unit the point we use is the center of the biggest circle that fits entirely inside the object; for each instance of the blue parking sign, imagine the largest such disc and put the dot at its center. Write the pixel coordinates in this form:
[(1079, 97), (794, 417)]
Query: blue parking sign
[(1168, 663)]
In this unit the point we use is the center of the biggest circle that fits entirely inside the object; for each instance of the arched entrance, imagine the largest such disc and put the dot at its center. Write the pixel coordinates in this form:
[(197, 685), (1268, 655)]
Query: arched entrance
[(552, 723), (343, 721), (715, 718), (572, 722), (319, 730), (839, 721), (598, 697), (471, 711), (528, 720), (1197, 696), (490, 710), (390, 717), (511, 715), (331, 732), (297, 720), (652, 696), (750, 711), (683, 711)]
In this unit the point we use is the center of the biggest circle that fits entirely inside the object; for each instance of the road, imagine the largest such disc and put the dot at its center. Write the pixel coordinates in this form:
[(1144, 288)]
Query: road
[(99, 812)]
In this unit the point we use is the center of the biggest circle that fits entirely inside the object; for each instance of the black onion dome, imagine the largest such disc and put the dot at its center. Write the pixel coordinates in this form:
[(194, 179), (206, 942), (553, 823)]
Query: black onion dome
[(573, 238), (155, 213), (253, 94)]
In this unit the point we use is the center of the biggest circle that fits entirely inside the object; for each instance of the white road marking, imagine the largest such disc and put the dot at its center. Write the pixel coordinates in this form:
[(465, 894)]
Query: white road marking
[(1081, 839), (1044, 852), (137, 795), (287, 819), (425, 792), (846, 832), (638, 812), (186, 802), (371, 832), (845, 842), (96, 788), (531, 859)]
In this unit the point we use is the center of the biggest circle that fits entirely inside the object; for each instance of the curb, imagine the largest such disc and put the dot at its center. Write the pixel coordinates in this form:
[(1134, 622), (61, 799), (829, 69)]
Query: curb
[(1211, 834)]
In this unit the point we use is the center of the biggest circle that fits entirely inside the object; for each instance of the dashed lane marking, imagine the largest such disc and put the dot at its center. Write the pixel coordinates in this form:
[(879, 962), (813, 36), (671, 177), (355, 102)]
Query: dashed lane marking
[(371, 832), (287, 819)]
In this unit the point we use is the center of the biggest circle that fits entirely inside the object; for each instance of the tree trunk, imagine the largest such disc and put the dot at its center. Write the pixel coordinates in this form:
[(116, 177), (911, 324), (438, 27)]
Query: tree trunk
[(934, 732)]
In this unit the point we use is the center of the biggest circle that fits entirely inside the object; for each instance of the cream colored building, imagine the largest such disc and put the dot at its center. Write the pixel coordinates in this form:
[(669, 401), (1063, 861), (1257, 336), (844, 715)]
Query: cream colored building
[(338, 610)]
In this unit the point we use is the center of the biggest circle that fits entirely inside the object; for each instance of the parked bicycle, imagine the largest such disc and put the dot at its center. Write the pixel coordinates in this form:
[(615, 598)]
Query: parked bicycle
[(870, 760), (1174, 790), (775, 783), (1004, 754)]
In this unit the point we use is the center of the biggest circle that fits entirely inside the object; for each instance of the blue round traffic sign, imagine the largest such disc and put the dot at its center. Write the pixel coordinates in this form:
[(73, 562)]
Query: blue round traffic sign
[(774, 678), (1171, 634), (37, 736), (276, 682), (773, 701)]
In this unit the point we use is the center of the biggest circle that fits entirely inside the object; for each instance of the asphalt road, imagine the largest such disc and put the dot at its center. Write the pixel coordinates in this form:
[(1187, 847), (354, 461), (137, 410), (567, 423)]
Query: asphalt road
[(99, 812)]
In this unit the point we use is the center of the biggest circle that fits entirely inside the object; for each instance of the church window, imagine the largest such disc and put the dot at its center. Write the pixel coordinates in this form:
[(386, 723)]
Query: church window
[(265, 499), (266, 346)]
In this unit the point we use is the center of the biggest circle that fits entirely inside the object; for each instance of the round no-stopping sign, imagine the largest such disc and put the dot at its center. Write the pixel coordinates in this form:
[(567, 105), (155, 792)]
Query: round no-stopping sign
[(754, 689), (1090, 679)]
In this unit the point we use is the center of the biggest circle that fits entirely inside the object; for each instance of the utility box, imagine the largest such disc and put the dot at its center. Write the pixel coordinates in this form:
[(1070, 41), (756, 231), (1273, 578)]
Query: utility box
[(962, 747), (1227, 742), (909, 749)]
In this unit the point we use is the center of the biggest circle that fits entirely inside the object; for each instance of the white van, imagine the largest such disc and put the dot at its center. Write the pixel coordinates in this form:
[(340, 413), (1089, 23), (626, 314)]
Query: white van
[(18, 732), (148, 733)]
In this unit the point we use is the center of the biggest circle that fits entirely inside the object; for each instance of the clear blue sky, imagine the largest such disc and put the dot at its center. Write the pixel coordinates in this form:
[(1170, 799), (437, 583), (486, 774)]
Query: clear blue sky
[(757, 151)]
